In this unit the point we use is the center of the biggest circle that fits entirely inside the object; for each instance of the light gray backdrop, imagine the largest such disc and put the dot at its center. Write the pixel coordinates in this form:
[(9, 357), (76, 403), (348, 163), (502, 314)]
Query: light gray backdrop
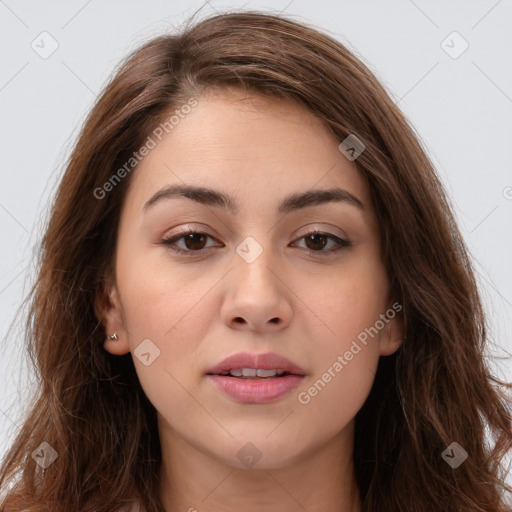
[(447, 64)]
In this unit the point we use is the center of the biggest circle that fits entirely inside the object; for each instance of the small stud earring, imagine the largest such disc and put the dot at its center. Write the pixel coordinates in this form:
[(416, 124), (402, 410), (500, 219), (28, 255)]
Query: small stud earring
[(113, 337)]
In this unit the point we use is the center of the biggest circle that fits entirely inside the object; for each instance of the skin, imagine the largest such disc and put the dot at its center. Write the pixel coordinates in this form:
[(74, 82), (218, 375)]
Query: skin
[(202, 307)]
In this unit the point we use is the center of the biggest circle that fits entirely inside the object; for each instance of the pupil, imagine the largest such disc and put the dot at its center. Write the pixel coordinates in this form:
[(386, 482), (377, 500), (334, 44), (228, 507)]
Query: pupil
[(312, 237), (190, 238)]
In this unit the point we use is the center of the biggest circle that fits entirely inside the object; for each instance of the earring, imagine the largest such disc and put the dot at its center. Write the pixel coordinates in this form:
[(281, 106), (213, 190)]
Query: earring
[(113, 337)]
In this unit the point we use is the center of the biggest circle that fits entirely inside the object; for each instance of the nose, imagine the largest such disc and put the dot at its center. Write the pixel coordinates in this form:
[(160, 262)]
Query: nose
[(257, 297)]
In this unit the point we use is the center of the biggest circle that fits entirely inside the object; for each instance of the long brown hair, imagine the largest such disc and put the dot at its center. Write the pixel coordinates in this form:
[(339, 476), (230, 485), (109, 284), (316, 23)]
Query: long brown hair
[(435, 390)]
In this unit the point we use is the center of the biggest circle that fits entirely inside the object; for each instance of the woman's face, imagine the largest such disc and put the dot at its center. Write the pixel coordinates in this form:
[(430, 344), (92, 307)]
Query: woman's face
[(254, 280)]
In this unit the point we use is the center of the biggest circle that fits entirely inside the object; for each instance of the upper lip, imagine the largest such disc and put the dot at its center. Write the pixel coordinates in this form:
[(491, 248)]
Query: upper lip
[(267, 361)]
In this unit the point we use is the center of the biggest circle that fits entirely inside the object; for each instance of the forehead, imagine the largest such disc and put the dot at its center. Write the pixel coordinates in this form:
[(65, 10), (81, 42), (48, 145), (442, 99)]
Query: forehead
[(256, 148)]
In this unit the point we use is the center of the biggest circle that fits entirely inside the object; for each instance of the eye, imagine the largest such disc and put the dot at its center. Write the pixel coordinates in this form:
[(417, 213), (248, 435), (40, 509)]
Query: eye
[(195, 240), (316, 241)]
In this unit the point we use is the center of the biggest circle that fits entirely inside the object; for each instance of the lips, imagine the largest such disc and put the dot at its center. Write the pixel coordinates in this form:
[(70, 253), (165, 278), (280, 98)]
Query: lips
[(267, 361), (236, 379)]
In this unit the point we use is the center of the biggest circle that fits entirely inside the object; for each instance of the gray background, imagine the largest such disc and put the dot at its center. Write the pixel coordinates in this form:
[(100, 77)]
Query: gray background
[(461, 107)]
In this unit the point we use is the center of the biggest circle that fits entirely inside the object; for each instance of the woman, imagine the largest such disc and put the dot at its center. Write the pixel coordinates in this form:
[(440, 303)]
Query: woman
[(252, 293)]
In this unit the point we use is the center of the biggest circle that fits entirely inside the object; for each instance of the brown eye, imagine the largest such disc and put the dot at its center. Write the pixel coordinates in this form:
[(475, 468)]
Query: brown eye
[(316, 241), (194, 241)]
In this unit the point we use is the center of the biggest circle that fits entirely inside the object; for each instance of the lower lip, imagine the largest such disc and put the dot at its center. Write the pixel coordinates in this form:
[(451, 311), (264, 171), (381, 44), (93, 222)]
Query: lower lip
[(258, 391)]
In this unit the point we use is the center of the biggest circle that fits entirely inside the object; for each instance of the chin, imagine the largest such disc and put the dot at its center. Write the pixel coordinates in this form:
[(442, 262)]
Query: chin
[(258, 452)]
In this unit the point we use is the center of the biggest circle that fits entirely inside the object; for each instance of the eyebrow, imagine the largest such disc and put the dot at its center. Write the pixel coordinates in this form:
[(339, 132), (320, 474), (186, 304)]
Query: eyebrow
[(291, 203)]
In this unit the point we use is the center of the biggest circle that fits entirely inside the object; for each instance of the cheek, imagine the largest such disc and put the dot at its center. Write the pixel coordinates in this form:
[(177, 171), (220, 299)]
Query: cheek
[(344, 301), (159, 299), (170, 309), (346, 339)]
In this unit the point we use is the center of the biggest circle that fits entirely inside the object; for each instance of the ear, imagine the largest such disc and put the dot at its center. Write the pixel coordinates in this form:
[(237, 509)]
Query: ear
[(109, 311), (392, 335)]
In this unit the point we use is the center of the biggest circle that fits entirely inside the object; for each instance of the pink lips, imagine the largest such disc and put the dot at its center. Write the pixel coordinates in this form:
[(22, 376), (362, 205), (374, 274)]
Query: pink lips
[(266, 361), (256, 391)]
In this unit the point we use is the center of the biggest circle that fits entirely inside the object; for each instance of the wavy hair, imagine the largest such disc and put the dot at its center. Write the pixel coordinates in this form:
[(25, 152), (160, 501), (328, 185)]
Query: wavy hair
[(435, 390)]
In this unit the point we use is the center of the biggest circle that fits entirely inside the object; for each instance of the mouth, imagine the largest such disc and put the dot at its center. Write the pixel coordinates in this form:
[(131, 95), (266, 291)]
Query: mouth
[(254, 389), (254, 373), (256, 378), (253, 366)]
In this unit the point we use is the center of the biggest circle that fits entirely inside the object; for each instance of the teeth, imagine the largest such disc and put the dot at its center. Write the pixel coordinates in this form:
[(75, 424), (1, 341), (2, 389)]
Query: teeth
[(254, 372)]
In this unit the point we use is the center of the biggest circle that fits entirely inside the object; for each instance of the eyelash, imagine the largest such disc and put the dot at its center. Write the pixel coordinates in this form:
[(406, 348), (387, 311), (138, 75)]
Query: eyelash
[(341, 242)]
